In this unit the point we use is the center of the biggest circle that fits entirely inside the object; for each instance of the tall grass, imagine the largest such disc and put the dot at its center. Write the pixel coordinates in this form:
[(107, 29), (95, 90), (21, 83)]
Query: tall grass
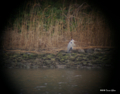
[(52, 27)]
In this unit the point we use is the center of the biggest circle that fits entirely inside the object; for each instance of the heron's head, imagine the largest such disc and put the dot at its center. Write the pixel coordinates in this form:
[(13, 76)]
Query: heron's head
[(73, 41)]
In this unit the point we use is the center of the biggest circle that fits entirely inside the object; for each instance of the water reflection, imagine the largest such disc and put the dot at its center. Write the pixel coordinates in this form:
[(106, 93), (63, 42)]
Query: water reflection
[(58, 81)]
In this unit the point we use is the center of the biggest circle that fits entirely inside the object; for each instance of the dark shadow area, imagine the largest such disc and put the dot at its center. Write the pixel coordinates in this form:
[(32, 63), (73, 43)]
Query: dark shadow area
[(110, 9), (9, 12)]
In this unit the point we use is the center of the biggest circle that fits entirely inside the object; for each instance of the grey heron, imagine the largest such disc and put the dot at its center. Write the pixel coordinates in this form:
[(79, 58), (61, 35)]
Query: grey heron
[(70, 46)]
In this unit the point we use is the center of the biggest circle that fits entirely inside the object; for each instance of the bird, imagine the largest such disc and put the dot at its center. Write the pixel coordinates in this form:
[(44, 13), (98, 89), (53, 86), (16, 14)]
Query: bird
[(70, 45)]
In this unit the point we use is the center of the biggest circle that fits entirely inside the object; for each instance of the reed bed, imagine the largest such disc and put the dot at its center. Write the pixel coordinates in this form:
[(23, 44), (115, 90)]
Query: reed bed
[(51, 27)]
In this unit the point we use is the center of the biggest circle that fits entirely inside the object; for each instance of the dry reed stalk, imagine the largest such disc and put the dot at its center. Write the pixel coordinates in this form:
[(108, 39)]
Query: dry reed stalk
[(49, 36), (55, 35), (37, 36)]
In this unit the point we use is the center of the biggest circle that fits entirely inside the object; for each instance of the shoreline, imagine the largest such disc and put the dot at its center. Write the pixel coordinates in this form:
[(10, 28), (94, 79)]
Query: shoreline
[(79, 59)]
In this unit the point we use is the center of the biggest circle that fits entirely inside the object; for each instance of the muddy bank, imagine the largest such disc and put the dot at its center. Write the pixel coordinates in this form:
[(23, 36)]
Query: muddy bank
[(84, 58)]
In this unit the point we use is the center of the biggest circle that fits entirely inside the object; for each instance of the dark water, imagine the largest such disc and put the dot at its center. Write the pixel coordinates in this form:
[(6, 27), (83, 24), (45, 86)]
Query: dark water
[(58, 81)]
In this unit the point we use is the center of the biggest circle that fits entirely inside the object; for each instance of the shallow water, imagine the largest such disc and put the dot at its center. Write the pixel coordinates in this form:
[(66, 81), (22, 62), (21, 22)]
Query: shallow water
[(58, 81)]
